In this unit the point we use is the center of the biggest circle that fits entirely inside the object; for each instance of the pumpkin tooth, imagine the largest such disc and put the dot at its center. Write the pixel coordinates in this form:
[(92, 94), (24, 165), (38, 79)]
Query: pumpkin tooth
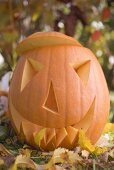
[(15, 116), (50, 134), (62, 139), (42, 144), (28, 131), (72, 134), (50, 139)]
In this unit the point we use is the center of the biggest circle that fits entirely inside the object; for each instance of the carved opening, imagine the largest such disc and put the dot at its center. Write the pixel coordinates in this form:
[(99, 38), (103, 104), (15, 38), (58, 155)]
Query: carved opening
[(51, 101), (30, 69), (83, 71), (61, 135), (37, 66), (86, 121), (72, 133)]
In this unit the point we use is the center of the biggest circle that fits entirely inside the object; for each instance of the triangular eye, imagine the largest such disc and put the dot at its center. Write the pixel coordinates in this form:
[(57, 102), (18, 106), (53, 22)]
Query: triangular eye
[(37, 66), (83, 70), (30, 69), (51, 101)]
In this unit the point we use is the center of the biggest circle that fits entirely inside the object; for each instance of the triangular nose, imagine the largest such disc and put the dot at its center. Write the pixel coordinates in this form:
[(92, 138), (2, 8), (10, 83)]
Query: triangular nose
[(51, 101)]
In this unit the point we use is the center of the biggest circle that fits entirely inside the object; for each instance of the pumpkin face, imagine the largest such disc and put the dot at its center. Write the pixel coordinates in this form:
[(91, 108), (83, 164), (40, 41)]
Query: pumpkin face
[(57, 85)]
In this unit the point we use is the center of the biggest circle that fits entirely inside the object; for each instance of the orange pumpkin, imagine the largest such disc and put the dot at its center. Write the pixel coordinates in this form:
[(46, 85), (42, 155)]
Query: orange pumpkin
[(57, 85)]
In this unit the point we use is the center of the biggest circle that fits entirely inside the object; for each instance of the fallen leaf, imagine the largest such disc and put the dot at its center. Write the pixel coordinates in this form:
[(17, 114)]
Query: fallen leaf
[(26, 152), (85, 154), (4, 151), (109, 127), (111, 153), (62, 155), (103, 141), (57, 167), (1, 162), (74, 157), (23, 160), (84, 142), (56, 158), (59, 151), (40, 167), (99, 150)]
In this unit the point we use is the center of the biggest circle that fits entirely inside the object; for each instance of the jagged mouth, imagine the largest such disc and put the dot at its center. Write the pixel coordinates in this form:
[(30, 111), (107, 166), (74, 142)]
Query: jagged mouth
[(58, 136)]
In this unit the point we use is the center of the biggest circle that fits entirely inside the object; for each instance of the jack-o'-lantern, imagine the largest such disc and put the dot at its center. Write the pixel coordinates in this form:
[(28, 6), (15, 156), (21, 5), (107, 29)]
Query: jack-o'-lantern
[(57, 85)]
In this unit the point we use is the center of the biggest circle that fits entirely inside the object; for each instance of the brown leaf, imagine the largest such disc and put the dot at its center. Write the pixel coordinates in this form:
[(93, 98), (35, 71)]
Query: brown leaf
[(4, 151)]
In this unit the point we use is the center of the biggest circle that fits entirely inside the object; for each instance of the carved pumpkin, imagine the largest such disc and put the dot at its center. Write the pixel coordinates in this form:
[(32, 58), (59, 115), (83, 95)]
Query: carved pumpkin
[(57, 85)]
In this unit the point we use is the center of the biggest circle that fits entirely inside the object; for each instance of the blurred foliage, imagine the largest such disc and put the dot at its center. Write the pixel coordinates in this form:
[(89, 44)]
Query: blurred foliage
[(91, 22)]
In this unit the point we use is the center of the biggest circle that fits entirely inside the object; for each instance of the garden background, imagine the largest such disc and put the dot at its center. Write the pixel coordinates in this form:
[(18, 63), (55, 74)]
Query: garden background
[(90, 22)]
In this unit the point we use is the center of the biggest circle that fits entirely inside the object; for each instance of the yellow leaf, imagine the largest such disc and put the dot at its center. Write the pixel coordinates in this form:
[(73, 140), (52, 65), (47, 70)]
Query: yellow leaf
[(25, 152), (84, 142), (99, 150), (109, 127), (39, 136), (56, 158), (50, 164), (23, 160), (62, 155)]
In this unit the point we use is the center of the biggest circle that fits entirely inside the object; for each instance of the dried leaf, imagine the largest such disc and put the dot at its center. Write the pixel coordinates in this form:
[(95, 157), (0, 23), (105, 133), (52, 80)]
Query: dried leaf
[(85, 154), (56, 158), (62, 155), (8, 160), (57, 167), (60, 151), (50, 164), (1, 162), (23, 160), (2, 165), (4, 151), (26, 152), (111, 153), (74, 157), (103, 141)]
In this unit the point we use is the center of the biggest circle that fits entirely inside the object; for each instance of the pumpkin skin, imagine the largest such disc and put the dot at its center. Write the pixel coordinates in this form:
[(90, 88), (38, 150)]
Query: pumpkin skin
[(58, 85)]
